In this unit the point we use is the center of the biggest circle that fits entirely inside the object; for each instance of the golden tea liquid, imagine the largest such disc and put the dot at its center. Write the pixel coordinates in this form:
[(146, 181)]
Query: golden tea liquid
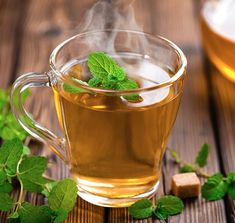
[(218, 33), (116, 146)]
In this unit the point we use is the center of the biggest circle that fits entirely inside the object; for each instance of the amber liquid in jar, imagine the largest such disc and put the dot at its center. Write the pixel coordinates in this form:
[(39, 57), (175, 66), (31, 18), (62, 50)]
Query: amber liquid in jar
[(218, 35)]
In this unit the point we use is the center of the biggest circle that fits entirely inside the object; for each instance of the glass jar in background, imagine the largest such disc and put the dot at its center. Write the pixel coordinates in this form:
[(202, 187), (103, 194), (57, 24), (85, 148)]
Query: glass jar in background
[(218, 34)]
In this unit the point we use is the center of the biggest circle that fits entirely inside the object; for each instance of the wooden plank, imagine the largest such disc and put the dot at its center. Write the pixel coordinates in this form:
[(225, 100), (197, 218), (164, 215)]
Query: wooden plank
[(175, 20), (223, 106), (10, 25)]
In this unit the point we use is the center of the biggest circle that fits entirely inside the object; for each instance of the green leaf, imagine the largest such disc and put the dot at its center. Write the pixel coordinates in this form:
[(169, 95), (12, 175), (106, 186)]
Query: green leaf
[(214, 188), (94, 82), (169, 205), (34, 214), (231, 185), (202, 156), (6, 202), (175, 155), (26, 150), (13, 215), (30, 173), (24, 96), (128, 84), (63, 195), (48, 187), (10, 154), (187, 169), (101, 65), (61, 215), (72, 89), (160, 213), (3, 177), (6, 187), (4, 100), (141, 209)]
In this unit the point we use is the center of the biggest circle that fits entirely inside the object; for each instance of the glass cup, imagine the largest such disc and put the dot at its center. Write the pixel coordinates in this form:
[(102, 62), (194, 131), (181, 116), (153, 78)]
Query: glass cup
[(112, 145)]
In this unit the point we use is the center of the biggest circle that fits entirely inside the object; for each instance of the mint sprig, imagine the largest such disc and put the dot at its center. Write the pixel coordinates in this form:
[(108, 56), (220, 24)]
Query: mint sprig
[(106, 74), (166, 206), (200, 161), (16, 164), (9, 126), (217, 185)]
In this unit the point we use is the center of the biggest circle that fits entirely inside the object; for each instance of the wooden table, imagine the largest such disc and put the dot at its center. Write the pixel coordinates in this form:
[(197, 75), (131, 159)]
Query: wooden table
[(30, 29)]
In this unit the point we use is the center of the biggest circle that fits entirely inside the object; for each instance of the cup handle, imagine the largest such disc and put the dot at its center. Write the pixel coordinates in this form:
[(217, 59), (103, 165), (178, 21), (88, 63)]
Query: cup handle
[(24, 82)]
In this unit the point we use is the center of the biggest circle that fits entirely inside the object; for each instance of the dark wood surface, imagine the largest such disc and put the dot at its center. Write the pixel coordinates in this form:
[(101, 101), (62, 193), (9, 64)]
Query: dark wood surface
[(29, 30)]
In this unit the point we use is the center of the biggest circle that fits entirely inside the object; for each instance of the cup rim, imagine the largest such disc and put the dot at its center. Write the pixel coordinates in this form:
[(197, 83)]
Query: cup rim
[(169, 82)]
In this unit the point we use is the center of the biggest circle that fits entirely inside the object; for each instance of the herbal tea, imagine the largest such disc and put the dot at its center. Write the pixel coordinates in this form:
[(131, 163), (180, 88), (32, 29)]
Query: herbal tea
[(116, 145), (217, 24)]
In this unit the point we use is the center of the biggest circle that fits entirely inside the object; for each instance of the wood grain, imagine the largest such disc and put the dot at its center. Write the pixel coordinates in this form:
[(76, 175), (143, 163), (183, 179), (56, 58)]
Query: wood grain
[(223, 92)]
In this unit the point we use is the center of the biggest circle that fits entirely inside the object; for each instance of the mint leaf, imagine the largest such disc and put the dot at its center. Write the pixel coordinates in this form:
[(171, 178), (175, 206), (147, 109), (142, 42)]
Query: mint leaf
[(128, 84), (202, 156), (63, 195), (160, 213), (3, 99), (231, 185), (24, 96), (187, 169), (168, 205), (94, 82), (141, 209), (48, 187), (26, 150), (101, 66), (72, 89), (34, 214), (6, 202), (30, 173), (214, 188), (13, 215), (5, 187), (61, 215), (175, 156), (3, 177), (10, 154)]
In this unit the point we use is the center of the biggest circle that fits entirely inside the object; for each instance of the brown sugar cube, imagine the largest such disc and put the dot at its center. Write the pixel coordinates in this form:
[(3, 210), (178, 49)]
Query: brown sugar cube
[(185, 185)]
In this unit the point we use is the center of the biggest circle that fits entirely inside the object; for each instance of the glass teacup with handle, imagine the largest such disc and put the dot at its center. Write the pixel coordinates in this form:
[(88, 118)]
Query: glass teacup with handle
[(113, 145)]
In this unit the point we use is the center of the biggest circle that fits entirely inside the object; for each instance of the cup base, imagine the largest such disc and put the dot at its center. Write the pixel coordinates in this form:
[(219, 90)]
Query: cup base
[(115, 202)]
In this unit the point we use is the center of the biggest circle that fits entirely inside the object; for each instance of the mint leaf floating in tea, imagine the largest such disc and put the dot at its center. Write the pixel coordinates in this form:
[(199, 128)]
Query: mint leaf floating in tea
[(103, 66), (72, 89), (214, 188), (107, 74), (202, 156), (141, 209)]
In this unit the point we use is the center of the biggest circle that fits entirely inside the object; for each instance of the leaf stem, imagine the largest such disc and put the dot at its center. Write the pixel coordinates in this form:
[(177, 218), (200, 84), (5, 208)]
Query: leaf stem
[(21, 185)]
